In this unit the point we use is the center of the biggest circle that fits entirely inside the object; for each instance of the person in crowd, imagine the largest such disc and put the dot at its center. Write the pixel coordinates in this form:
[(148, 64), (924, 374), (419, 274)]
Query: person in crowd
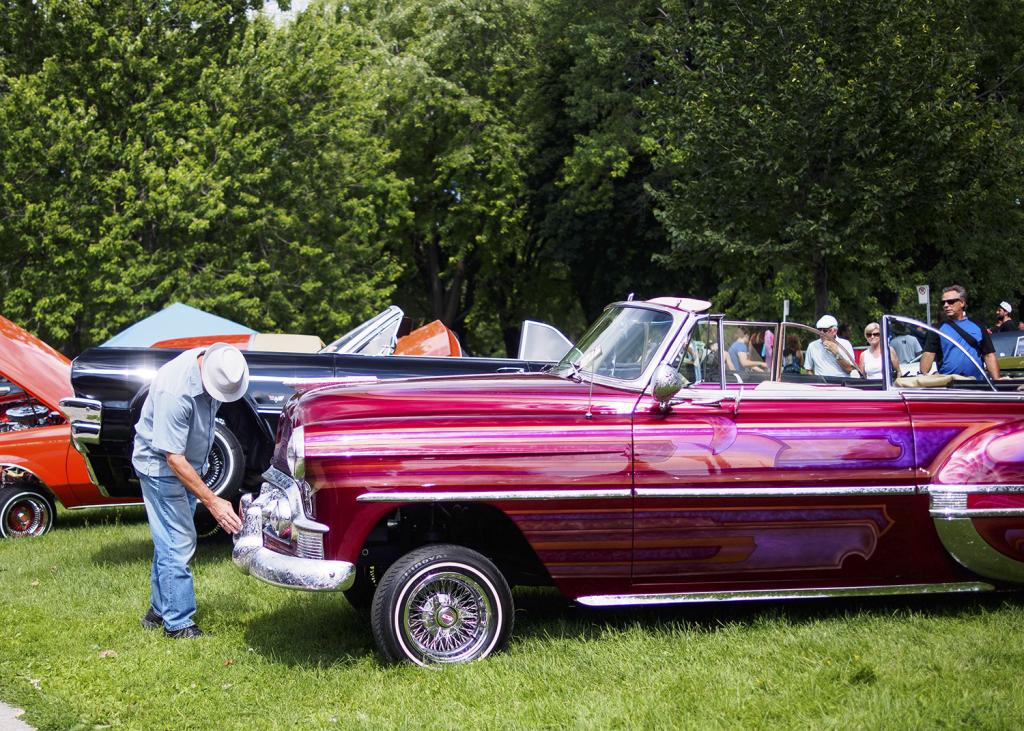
[(792, 355), (172, 444), (907, 347), (739, 354), (1004, 323), (768, 348), (830, 355), (963, 330), (871, 359)]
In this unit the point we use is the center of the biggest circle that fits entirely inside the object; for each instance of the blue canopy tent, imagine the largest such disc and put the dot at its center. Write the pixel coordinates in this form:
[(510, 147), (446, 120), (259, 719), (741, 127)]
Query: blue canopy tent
[(174, 321)]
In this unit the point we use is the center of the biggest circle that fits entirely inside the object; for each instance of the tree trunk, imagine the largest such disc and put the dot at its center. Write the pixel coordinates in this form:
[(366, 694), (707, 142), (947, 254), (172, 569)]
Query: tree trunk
[(820, 284)]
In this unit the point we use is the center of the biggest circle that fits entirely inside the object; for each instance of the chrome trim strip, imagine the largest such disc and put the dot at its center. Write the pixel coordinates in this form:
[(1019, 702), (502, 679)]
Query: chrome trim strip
[(616, 600), (147, 374), (951, 513), (951, 394), (324, 381), (90, 506), (971, 489), (749, 492), (478, 496)]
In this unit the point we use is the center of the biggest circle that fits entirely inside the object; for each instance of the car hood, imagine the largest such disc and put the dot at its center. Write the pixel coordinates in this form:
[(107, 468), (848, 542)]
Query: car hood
[(448, 396), (33, 365), (381, 418)]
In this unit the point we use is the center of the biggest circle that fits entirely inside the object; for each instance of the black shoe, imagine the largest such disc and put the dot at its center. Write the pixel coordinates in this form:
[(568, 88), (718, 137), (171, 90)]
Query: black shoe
[(152, 620), (185, 633)]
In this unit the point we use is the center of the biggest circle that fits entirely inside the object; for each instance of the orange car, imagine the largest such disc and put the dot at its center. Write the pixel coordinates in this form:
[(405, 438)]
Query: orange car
[(38, 466)]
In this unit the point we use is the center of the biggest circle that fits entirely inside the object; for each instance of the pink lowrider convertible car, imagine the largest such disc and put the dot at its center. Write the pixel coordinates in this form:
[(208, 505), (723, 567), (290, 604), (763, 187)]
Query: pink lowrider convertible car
[(639, 470)]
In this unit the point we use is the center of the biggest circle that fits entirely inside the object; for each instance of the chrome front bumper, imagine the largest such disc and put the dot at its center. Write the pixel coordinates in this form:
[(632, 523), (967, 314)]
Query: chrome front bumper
[(290, 572)]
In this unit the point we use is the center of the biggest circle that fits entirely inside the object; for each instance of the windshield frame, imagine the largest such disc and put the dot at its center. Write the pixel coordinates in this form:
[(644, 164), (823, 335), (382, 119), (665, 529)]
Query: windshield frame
[(359, 336), (569, 368)]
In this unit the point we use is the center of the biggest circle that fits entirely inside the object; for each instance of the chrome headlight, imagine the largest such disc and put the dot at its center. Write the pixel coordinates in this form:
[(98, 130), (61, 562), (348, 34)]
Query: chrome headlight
[(279, 516), (296, 454)]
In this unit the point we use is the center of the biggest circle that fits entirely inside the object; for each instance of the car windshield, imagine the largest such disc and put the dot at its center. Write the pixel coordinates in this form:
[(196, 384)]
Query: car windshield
[(376, 336), (620, 344)]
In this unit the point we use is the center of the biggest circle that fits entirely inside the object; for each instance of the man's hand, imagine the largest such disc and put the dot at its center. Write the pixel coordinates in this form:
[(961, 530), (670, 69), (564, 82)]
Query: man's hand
[(218, 507), (224, 513)]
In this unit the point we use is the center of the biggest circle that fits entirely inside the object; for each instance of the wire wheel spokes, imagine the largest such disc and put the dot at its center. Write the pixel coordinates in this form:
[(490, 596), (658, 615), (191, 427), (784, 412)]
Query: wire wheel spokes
[(28, 517), (216, 469), (448, 616)]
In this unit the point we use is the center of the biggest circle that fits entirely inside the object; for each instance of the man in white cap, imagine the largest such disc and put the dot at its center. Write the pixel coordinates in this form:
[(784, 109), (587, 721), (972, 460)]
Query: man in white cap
[(172, 444), (1004, 323), (830, 355)]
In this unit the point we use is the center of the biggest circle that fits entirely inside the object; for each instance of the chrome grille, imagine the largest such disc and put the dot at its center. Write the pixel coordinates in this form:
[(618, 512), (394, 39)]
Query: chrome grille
[(948, 502), (309, 544)]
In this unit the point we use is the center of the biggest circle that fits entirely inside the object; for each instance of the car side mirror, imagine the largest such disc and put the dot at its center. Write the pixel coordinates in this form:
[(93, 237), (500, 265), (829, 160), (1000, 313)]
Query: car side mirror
[(667, 383)]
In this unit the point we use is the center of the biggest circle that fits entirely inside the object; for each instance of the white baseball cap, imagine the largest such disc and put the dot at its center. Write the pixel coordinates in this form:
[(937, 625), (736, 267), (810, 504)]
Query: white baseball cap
[(1006, 306), (225, 372), (827, 321)]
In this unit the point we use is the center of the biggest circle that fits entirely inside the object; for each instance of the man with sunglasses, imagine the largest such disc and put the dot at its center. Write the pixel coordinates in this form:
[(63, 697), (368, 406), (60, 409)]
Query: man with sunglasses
[(963, 330), (830, 355)]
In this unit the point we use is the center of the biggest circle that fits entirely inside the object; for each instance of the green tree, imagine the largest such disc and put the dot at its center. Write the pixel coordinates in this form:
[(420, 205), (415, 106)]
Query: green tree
[(591, 211), (191, 152), (452, 86), (832, 152)]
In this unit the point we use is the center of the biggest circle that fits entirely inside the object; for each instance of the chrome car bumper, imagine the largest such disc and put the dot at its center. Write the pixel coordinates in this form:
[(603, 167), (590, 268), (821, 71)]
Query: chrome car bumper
[(290, 572)]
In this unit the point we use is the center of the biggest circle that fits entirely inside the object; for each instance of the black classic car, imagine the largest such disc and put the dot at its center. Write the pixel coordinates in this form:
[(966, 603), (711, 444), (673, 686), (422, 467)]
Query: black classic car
[(111, 384)]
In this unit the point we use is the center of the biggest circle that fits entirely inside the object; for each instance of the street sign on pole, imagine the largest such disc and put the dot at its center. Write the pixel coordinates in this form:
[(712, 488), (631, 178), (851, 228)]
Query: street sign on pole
[(785, 310), (924, 298)]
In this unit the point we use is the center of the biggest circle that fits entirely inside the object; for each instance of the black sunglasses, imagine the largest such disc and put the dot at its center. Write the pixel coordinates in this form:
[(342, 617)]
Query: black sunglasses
[(951, 302)]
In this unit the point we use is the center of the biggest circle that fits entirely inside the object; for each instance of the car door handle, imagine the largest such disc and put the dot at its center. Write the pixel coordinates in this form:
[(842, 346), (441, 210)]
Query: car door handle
[(713, 401), (511, 369)]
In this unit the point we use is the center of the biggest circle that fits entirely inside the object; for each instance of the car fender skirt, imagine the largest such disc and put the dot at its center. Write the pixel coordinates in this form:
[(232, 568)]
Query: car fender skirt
[(290, 572)]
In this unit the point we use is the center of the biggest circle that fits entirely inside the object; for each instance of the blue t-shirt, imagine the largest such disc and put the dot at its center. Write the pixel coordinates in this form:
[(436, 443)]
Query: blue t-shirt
[(734, 353), (953, 359)]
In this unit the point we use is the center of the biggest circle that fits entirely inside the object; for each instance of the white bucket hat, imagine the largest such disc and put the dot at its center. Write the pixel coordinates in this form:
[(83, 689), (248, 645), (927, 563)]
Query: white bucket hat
[(1006, 306), (225, 372)]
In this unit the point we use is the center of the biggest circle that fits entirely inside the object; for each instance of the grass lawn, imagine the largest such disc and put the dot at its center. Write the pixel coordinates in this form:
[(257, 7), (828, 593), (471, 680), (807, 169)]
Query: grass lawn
[(73, 655)]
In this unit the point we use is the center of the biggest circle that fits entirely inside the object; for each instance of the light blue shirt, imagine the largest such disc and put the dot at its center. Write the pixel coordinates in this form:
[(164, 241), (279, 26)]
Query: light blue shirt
[(178, 417)]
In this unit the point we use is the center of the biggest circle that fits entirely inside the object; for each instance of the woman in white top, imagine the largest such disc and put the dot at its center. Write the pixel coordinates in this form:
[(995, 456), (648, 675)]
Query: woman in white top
[(871, 359)]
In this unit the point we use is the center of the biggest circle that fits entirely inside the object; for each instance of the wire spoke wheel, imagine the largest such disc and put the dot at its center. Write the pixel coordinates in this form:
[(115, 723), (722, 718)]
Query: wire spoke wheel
[(447, 617), (24, 513), (215, 473), (441, 604)]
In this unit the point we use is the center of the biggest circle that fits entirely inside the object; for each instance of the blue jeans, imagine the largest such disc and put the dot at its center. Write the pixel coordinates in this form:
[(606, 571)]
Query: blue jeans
[(170, 508)]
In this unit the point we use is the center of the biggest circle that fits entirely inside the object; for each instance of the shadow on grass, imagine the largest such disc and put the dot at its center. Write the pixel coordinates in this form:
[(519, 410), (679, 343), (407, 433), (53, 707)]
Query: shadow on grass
[(213, 549), (542, 613), (305, 632)]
